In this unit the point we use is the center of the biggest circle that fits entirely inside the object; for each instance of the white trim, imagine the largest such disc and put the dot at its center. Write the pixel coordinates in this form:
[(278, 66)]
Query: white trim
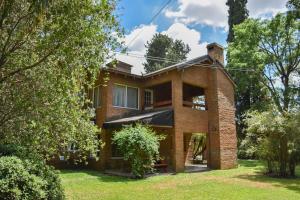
[(151, 91), (99, 95), (126, 86)]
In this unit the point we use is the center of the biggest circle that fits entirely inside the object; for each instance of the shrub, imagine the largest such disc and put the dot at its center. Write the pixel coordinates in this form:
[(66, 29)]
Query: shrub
[(140, 146), (278, 140), (27, 179), (53, 189), (18, 151)]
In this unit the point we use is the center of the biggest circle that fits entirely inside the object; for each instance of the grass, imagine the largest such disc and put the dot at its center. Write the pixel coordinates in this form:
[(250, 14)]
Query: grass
[(244, 182)]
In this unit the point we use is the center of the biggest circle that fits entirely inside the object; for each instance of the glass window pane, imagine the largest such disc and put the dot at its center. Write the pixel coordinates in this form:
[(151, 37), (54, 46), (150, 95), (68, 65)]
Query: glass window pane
[(132, 97), (119, 95), (97, 97), (148, 98)]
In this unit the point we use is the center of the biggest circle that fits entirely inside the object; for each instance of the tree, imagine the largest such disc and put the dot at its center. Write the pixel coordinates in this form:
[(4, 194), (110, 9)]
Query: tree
[(293, 4), (163, 51), (271, 49), (268, 129), (248, 93), (237, 13), (294, 8), (50, 53), (199, 144), (140, 146)]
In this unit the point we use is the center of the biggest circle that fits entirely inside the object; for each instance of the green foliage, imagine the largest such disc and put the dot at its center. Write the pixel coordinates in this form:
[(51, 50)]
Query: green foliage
[(140, 146), (276, 138), (199, 144), (163, 51), (271, 49), (50, 54), (248, 93), (237, 13), (294, 5), (25, 179)]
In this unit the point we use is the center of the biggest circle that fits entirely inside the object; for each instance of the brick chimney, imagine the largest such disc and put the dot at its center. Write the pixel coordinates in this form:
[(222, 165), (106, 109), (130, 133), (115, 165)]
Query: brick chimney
[(216, 52)]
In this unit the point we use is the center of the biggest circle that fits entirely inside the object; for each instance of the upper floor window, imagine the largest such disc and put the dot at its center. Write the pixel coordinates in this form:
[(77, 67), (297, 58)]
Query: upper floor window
[(95, 96), (148, 98), (125, 96)]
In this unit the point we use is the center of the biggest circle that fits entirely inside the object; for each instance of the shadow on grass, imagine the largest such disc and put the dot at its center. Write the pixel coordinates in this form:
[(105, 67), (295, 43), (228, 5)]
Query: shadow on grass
[(98, 175), (250, 163), (258, 176)]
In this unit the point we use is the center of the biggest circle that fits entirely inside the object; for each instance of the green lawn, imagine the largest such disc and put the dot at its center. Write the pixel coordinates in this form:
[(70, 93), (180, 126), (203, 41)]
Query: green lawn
[(245, 182)]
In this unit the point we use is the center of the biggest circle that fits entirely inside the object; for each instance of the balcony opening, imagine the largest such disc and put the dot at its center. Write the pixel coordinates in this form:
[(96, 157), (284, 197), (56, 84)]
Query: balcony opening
[(193, 97), (158, 96)]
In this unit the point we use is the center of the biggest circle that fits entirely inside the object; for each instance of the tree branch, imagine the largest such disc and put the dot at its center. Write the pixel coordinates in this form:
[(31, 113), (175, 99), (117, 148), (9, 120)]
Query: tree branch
[(27, 67)]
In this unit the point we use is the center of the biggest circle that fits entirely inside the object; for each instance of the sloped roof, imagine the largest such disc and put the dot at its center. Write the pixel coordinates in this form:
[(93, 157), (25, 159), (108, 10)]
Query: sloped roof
[(181, 65)]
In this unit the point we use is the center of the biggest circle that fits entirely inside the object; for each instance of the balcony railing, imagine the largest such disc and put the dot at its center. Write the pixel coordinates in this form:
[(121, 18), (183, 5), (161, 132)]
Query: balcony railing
[(159, 104)]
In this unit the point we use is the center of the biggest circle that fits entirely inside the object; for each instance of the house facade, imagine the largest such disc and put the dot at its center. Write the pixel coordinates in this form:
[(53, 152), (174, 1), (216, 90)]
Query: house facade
[(196, 96)]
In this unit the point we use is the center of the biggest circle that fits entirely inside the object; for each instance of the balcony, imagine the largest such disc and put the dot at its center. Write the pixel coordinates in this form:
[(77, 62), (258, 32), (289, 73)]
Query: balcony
[(193, 97), (158, 96)]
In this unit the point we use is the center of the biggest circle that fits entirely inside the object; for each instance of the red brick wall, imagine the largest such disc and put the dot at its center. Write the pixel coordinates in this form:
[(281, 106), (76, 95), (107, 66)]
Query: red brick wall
[(217, 121)]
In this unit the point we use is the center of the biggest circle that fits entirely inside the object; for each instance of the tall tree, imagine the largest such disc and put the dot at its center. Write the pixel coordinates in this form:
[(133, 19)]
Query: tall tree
[(294, 8), (50, 52), (163, 51), (271, 49), (248, 94), (237, 13)]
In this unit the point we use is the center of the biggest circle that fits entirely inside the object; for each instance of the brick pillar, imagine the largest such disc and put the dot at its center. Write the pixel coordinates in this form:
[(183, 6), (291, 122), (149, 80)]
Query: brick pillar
[(221, 124), (105, 150), (213, 121), (178, 131)]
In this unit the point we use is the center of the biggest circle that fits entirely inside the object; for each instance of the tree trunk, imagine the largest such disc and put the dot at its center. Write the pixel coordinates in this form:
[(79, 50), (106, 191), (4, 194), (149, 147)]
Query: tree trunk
[(283, 157), (270, 167), (292, 167)]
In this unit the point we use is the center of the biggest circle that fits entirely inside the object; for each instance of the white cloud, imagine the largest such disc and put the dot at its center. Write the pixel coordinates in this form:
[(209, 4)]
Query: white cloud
[(260, 8), (189, 36), (176, 31), (137, 38), (135, 41), (208, 12), (215, 12)]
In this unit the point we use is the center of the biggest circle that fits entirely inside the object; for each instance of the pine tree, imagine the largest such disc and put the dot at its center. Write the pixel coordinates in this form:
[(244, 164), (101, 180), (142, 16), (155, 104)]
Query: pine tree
[(163, 51), (237, 14)]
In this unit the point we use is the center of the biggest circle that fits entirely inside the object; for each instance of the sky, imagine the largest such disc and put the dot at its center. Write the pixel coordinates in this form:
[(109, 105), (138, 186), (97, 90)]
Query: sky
[(195, 22)]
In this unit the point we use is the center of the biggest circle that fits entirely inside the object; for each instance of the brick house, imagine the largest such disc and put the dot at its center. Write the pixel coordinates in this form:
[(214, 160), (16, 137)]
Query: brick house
[(196, 96)]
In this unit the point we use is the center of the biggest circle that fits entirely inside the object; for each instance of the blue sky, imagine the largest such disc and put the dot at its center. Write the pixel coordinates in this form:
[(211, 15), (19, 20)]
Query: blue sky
[(196, 22)]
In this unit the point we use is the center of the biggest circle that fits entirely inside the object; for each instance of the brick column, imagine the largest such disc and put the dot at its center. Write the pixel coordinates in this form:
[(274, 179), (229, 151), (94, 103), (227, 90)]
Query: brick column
[(221, 124), (105, 150), (178, 131), (213, 121)]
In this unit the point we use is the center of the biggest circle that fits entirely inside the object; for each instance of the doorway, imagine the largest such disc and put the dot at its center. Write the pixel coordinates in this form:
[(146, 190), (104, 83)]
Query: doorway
[(195, 151)]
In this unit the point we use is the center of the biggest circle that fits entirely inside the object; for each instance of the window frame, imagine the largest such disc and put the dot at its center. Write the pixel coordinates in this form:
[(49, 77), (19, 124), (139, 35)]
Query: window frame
[(152, 98), (126, 86), (99, 98)]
